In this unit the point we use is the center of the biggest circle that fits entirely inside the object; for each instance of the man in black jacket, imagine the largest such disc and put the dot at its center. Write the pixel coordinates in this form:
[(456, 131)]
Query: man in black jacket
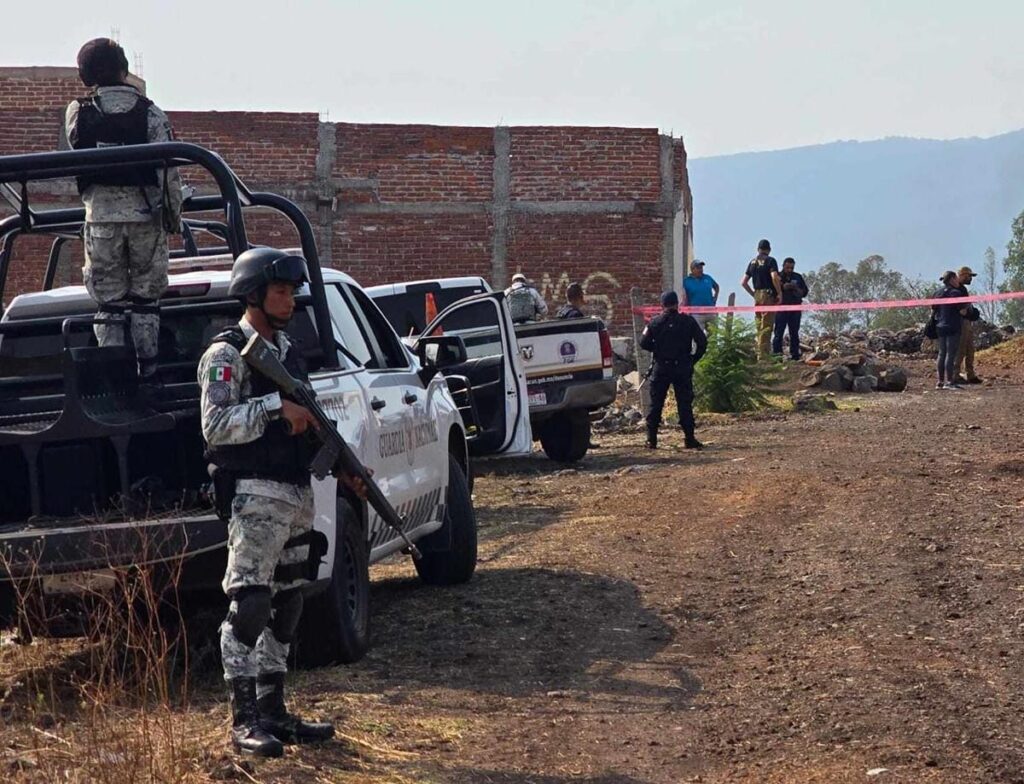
[(794, 289), (677, 342)]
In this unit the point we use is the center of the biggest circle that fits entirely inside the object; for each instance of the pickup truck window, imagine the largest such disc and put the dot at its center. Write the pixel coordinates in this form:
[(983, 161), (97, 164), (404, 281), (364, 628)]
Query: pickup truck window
[(385, 344), (349, 333), (407, 312), (478, 326)]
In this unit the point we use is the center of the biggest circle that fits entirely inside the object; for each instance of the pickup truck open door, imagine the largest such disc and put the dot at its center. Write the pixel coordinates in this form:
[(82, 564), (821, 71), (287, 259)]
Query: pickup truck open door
[(494, 370)]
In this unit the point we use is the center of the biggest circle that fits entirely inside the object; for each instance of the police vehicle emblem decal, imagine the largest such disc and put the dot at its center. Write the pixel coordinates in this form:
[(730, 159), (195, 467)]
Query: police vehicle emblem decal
[(567, 351)]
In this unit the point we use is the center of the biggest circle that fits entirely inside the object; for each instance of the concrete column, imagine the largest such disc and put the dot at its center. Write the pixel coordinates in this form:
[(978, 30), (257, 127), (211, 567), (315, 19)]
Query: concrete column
[(667, 209), (326, 154), (500, 206)]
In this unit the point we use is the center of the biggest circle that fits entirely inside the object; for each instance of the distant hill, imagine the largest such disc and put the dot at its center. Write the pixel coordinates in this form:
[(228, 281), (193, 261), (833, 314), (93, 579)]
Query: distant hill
[(925, 205)]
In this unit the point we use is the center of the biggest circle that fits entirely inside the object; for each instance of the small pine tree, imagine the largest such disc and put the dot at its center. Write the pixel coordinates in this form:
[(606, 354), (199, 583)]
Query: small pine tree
[(729, 378)]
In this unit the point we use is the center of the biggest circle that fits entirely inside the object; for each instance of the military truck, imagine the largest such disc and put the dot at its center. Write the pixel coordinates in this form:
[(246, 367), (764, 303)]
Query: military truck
[(99, 476)]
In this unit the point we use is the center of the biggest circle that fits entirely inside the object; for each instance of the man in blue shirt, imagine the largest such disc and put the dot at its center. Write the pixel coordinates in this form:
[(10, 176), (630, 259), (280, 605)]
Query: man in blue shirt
[(700, 290)]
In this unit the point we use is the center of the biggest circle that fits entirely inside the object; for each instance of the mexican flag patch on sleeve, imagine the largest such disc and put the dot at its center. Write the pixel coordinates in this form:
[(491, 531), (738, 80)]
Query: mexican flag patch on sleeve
[(220, 373)]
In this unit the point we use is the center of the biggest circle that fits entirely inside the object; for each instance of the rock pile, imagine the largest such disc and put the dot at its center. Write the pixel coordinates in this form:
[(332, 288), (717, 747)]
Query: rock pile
[(987, 335), (876, 341), (619, 416), (909, 341), (860, 372)]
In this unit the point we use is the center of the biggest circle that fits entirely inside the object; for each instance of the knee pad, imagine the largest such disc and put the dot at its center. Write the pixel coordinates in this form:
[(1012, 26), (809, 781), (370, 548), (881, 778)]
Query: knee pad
[(251, 613), (287, 611)]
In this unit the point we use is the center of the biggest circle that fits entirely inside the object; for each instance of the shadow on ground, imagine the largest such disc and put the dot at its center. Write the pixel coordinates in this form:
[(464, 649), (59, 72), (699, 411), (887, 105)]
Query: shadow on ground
[(521, 632), (606, 459)]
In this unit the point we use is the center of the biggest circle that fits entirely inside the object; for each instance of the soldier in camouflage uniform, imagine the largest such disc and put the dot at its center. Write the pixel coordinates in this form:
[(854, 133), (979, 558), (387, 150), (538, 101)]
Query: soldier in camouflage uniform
[(128, 212), (260, 442)]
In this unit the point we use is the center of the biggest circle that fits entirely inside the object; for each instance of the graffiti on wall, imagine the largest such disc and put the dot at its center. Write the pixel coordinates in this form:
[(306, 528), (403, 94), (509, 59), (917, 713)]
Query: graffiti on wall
[(598, 288)]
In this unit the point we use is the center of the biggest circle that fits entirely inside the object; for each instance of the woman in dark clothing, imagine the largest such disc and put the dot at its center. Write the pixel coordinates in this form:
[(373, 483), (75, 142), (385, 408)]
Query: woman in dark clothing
[(948, 323)]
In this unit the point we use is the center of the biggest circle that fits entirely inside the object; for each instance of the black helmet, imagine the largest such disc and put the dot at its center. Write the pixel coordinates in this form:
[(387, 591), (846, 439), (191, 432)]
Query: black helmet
[(101, 61), (257, 267)]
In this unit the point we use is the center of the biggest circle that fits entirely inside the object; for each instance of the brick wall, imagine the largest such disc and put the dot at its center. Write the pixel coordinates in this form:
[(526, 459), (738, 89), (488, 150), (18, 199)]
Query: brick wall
[(587, 164), (417, 163), (394, 202), (608, 254), (387, 248)]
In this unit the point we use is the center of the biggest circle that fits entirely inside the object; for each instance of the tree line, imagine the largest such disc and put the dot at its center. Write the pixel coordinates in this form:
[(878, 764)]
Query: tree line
[(872, 279)]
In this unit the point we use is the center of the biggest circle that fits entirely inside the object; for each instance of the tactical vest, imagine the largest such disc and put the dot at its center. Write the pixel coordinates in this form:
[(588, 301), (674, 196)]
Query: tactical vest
[(277, 454), (521, 305), (96, 128)]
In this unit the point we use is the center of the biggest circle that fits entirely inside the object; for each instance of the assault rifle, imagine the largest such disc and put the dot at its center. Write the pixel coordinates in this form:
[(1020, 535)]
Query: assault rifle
[(334, 452), (647, 375)]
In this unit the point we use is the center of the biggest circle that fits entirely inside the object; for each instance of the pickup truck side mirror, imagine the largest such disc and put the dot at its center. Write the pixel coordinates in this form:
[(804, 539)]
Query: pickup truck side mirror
[(441, 351)]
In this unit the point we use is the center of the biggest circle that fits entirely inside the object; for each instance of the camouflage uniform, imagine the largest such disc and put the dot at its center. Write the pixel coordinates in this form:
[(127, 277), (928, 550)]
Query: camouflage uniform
[(125, 240), (265, 513)]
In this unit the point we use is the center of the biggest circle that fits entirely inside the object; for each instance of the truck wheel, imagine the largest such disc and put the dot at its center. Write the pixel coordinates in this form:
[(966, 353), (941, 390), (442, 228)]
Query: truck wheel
[(335, 626), (566, 437), (454, 560)]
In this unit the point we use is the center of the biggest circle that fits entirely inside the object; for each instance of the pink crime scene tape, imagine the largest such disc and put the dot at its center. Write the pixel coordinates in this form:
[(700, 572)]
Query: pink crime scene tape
[(653, 310)]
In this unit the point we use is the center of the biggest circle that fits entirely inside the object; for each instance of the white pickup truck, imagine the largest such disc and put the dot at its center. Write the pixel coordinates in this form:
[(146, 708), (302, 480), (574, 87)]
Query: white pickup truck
[(567, 363), (99, 477)]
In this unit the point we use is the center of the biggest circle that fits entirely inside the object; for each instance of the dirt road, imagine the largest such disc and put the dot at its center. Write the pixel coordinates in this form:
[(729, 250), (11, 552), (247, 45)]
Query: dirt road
[(826, 598), (813, 598)]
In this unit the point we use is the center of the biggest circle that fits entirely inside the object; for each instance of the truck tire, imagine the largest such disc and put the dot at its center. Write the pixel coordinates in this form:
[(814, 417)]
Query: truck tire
[(566, 437), (455, 562), (335, 626)]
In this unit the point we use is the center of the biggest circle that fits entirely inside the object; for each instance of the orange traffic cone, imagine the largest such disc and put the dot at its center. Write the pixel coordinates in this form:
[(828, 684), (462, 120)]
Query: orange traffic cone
[(430, 309)]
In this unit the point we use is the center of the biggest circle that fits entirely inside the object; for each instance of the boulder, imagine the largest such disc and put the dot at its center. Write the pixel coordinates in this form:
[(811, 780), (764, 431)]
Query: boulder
[(813, 401), (892, 380), (865, 384), (839, 379), (852, 361)]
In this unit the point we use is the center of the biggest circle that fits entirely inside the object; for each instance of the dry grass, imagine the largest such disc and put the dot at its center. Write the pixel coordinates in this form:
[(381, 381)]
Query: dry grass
[(1009, 351), (111, 706)]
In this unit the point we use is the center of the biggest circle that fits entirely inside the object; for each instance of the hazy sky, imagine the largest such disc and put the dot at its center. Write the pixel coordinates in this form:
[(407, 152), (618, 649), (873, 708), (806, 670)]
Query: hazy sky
[(729, 76)]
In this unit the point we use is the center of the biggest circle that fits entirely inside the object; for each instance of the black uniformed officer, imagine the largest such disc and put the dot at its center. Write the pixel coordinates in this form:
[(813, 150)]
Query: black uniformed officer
[(671, 337)]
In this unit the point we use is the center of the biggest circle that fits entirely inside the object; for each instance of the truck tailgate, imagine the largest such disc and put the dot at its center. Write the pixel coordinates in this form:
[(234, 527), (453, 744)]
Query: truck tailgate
[(560, 354)]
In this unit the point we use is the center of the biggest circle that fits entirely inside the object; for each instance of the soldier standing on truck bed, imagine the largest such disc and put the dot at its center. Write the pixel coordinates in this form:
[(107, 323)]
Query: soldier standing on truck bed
[(128, 211), (259, 444), (525, 303), (671, 337)]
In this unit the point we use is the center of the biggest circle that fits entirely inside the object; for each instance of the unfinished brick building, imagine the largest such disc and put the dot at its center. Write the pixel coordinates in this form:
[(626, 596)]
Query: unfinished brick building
[(609, 207)]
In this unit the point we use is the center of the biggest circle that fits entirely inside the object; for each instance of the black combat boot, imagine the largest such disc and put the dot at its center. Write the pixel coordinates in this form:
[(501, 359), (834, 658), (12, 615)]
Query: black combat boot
[(691, 442), (285, 726), (652, 438), (246, 734)]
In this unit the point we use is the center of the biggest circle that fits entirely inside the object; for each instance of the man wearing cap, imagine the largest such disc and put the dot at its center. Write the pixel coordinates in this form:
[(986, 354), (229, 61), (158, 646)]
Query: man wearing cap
[(524, 301), (965, 353), (128, 211), (677, 343), (763, 272), (700, 290)]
